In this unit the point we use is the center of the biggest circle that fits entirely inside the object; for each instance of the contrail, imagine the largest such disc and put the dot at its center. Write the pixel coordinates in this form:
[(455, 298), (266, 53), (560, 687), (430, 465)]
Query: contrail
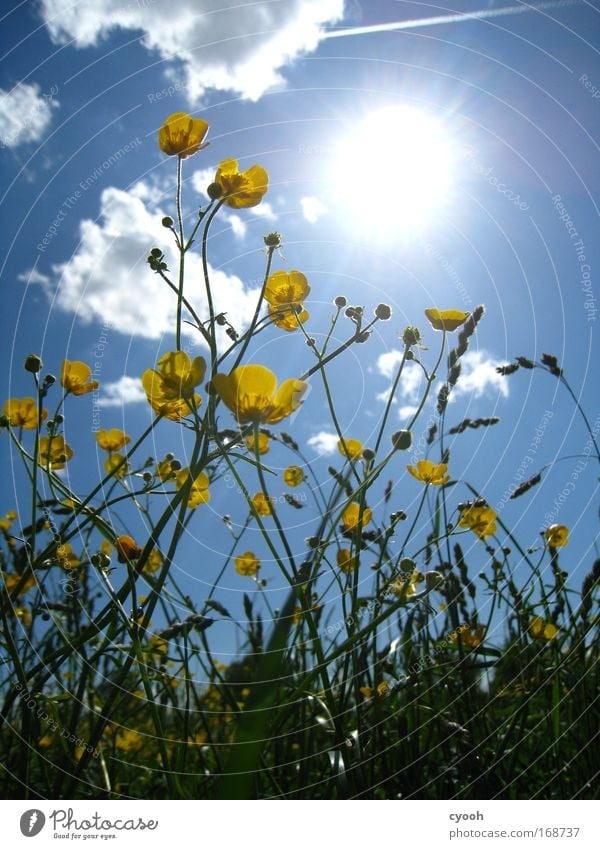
[(454, 18)]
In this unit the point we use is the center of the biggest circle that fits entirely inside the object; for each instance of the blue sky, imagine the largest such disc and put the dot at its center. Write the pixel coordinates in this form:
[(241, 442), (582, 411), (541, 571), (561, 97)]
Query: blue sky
[(515, 99)]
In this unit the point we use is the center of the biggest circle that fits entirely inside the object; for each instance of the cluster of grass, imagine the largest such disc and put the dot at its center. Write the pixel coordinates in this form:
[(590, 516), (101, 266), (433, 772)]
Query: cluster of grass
[(392, 668)]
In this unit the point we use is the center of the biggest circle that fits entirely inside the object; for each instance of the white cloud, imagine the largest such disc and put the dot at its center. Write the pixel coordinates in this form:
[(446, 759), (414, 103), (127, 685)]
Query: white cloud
[(387, 364), (237, 225), (32, 276), (478, 376), (411, 383), (312, 209), (108, 278), (25, 114), (407, 411), (264, 210), (324, 443), (219, 44), (126, 390)]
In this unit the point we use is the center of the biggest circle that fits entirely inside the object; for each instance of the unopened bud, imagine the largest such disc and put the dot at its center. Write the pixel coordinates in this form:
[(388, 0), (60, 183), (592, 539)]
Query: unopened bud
[(411, 336), (402, 440), (433, 580), (340, 302), (167, 221), (33, 363), (368, 455), (273, 240), (383, 312), (214, 191)]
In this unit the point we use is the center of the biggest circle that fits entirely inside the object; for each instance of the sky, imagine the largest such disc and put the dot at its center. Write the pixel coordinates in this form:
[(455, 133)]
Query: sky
[(450, 162)]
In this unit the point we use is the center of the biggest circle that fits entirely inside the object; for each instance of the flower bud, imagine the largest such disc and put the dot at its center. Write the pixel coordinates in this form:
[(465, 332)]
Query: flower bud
[(273, 240), (411, 335), (402, 440), (383, 312), (32, 363), (49, 380), (368, 455), (156, 252), (340, 302), (433, 580), (214, 191), (167, 221)]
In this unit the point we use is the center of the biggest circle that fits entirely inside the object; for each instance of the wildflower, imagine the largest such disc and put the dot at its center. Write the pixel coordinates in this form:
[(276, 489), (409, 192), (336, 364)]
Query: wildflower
[(383, 688), (480, 519), (241, 189), (263, 443), (127, 548), (13, 579), (7, 520), (262, 504), (288, 319), (345, 561), (352, 449), (112, 440), (181, 135), (75, 377), (447, 320), (286, 289), (23, 412), (247, 564), (116, 465), (430, 473), (293, 476), (199, 493), (170, 386), (352, 514), (154, 561), (557, 536), (66, 557), (128, 740), (252, 395), (165, 470), (471, 637), (105, 548), (54, 452), (405, 586), (542, 630)]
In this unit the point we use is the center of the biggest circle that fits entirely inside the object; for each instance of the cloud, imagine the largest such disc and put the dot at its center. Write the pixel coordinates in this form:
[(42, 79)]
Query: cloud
[(411, 383), (407, 411), (218, 44), (32, 276), (479, 377), (387, 364), (312, 209), (125, 390), (25, 114), (108, 279), (324, 443)]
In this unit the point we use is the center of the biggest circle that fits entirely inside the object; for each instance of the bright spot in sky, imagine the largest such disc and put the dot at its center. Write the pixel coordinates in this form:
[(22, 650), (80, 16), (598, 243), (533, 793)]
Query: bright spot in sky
[(394, 172)]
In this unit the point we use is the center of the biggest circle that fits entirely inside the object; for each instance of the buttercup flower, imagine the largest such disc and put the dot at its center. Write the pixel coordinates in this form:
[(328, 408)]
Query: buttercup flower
[(127, 548), (541, 629), (13, 579), (170, 386), (263, 443), (252, 395), (112, 440), (352, 449), (289, 320), (293, 476), (406, 587), (181, 135), (199, 493), (66, 556), (345, 561), (54, 452), (116, 464), (241, 189), (557, 536), (164, 470), (447, 320), (23, 412), (75, 377), (7, 520), (351, 514), (428, 472), (470, 637), (480, 519), (286, 288), (247, 564), (262, 504)]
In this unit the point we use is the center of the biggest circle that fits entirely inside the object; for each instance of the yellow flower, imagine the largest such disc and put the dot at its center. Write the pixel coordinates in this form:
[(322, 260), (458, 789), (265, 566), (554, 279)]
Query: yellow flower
[(557, 536), (263, 443), (241, 189), (170, 386), (286, 288), (154, 561), (480, 519), (247, 564), (112, 440), (199, 493), (164, 470), (447, 320), (470, 637), (252, 395), (127, 548), (262, 504), (54, 452), (116, 464), (351, 514), (75, 377), (106, 547), (352, 449), (428, 472), (128, 740), (288, 319), (383, 688), (23, 412), (7, 520), (293, 476), (345, 561), (66, 556), (181, 135), (13, 579), (542, 630), (406, 587)]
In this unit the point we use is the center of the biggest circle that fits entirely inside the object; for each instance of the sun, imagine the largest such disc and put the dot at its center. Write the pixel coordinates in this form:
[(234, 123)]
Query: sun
[(394, 172)]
